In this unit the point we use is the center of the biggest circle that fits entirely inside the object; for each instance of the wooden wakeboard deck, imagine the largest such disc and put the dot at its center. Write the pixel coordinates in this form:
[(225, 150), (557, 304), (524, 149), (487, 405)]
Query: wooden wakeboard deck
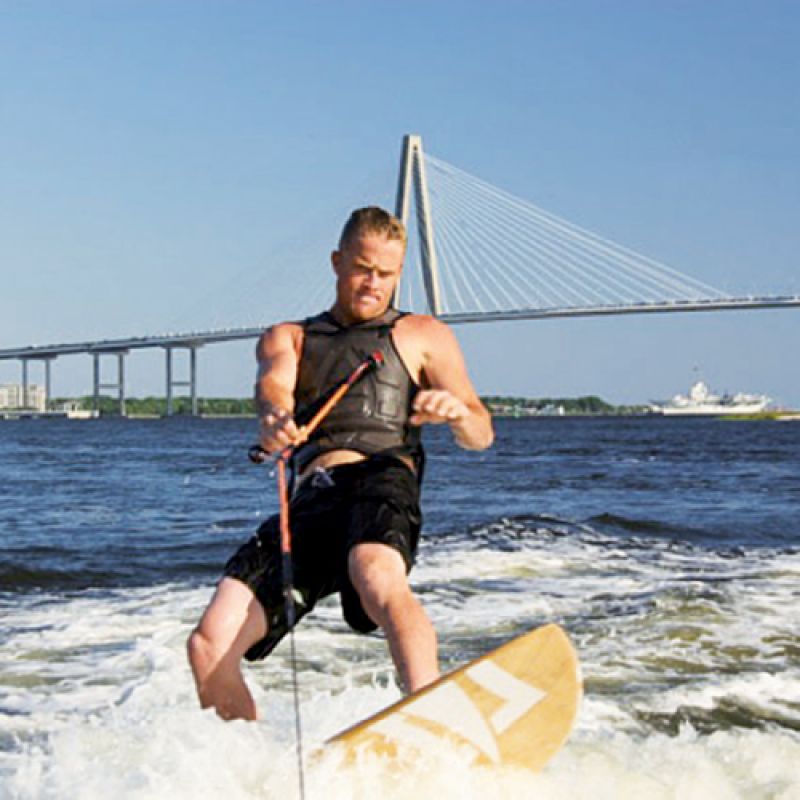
[(513, 706)]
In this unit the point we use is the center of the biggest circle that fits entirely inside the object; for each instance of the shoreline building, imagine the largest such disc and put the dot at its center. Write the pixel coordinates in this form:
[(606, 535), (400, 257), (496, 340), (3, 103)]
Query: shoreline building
[(13, 396)]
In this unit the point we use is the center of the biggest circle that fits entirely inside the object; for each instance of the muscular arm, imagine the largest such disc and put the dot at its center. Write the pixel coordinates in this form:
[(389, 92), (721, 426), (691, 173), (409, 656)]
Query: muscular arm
[(448, 394), (277, 355)]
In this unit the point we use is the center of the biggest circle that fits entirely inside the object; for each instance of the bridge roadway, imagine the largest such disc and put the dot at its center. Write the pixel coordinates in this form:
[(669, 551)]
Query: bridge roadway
[(120, 348), (673, 306), (108, 346), (192, 341)]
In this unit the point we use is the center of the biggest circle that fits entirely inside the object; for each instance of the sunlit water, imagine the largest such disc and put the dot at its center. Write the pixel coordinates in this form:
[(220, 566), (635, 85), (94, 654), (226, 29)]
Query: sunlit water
[(669, 550)]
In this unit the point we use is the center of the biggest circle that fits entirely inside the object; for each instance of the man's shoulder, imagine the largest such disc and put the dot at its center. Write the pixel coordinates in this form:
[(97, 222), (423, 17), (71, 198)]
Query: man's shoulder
[(426, 331), (424, 324), (290, 326), (281, 335), (423, 340)]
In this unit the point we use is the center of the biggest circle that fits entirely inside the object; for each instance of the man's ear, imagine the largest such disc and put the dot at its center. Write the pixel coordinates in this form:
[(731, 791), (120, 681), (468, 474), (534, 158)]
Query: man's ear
[(336, 259)]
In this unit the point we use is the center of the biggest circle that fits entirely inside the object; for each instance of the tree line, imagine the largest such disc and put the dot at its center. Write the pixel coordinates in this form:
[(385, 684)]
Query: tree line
[(500, 405), (157, 406)]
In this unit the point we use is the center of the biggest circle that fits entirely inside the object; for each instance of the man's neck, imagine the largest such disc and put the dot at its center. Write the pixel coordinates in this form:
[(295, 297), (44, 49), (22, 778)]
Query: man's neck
[(346, 321)]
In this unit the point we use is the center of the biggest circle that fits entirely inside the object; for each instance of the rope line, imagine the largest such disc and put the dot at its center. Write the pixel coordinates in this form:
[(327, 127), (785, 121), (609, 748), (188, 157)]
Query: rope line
[(258, 455), (287, 576)]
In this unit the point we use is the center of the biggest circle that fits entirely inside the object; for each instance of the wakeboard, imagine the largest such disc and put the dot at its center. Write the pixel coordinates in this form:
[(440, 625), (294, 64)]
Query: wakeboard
[(514, 706)]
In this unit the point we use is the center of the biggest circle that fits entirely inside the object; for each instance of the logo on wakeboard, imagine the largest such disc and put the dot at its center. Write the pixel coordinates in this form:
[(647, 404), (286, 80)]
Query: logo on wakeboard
[(449, 706)]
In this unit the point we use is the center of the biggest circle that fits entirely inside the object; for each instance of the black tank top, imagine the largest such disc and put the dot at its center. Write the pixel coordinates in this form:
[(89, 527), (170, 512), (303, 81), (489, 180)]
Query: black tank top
[(372, 417)]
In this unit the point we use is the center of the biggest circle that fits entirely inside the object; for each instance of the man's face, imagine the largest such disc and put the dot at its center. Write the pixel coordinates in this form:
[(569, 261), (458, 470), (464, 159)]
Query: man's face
[(367, 270)]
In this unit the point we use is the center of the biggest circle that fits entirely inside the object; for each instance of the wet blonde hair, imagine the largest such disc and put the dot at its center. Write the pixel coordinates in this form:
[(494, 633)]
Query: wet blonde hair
[(374, 220)]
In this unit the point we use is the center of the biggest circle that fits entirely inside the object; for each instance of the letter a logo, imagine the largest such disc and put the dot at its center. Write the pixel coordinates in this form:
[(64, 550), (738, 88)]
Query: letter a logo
[(450, 707)]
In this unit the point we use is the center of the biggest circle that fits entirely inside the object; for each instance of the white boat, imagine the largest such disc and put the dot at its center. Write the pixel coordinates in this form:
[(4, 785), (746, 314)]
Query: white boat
[(701, 401)]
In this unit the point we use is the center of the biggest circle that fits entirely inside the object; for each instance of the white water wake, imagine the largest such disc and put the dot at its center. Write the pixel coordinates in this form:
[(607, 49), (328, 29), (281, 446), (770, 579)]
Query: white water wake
[(690, 661)]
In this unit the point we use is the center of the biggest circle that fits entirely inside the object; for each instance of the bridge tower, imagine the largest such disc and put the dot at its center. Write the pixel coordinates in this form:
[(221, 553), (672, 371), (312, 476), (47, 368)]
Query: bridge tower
[(412, 179)]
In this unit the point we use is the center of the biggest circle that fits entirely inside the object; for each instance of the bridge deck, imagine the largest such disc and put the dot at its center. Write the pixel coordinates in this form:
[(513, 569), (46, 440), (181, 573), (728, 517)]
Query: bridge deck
[(200, 338)]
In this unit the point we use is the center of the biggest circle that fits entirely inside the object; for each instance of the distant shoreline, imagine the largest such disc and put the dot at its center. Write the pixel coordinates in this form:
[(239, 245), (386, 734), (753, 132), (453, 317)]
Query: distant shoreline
[(506, 407)]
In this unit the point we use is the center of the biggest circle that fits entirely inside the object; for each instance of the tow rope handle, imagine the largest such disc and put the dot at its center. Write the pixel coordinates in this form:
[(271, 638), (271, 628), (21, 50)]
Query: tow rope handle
[(257, 454)]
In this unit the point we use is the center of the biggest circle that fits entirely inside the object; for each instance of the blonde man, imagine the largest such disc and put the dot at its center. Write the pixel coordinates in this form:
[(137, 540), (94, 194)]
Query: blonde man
[(355, 514)]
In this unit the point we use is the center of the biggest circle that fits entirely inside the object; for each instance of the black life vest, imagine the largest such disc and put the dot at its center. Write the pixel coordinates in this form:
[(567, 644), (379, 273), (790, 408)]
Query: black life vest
[(372, 417)]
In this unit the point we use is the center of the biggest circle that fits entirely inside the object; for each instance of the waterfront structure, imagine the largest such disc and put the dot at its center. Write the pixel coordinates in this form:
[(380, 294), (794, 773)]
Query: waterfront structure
[(17, 396)]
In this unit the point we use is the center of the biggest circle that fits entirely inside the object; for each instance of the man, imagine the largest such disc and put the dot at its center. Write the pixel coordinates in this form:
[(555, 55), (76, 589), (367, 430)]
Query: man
[(354, 515)]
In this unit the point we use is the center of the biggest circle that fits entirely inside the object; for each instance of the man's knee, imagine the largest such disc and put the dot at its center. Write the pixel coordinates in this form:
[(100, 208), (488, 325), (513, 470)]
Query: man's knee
[(375, 567), (202, 650), (198, 645), (230, 625), (378, 574)]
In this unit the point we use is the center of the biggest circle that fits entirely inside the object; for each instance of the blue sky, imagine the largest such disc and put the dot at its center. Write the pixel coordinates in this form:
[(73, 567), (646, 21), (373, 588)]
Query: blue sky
[(167, 165)]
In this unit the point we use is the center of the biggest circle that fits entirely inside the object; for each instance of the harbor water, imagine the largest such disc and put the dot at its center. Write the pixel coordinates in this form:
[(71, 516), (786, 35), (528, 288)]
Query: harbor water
[(669, 549)]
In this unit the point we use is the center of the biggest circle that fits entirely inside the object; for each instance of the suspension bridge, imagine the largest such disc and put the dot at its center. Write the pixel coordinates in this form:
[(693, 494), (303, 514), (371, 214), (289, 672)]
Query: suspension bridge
[(483, 255)]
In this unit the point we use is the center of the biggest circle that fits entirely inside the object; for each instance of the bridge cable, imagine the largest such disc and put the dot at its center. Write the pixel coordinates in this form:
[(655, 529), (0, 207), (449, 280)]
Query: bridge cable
[(500, 253)]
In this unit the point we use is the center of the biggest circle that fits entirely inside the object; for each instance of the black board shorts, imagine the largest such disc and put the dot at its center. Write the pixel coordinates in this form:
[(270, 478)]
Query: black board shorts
[(376, 500)]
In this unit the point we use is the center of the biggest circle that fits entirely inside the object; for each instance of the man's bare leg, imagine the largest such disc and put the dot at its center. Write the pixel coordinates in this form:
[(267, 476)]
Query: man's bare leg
[(378, 574), (233, 621)]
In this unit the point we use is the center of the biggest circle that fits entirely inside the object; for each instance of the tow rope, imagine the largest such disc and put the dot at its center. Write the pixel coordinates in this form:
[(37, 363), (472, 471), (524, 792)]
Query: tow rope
[(283, 459)]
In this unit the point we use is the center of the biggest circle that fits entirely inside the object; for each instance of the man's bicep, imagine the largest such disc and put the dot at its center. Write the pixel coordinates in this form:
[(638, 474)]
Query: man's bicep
[(277, 367)]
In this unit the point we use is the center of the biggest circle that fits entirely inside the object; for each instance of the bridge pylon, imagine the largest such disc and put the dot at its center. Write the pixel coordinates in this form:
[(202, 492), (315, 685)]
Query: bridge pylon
[(118, 385), (173, 383), (412, 179)]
